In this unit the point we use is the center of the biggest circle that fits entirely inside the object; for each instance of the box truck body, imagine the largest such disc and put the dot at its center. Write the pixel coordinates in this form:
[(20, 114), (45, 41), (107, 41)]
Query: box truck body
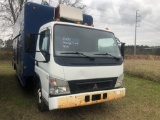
[(71, 64)]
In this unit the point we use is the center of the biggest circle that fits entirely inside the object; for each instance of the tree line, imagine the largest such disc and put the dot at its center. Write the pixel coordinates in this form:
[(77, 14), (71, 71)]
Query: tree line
[(129, 50), (142, 50)]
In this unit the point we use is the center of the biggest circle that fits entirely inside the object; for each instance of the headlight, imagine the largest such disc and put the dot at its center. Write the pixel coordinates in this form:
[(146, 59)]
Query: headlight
[(58, 86), (119, 80)]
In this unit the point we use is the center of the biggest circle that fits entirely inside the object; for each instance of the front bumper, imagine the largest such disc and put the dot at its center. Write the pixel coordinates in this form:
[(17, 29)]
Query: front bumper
[(83, 99)]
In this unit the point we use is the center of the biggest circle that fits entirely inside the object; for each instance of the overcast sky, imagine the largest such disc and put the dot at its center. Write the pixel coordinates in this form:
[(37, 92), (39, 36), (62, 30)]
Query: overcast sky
[(119, 16)]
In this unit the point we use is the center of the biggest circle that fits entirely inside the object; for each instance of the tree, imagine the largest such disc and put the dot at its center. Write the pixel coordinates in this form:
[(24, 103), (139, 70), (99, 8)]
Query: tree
[(1, 43), (8, 43), (10, 9), (73, 3)]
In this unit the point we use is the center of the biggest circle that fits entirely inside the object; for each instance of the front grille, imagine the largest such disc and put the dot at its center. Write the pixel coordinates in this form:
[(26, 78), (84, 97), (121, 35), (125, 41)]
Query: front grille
[(88, 85)]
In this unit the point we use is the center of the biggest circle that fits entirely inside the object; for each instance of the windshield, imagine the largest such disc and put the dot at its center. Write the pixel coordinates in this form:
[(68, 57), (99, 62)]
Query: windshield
[(91, 42)]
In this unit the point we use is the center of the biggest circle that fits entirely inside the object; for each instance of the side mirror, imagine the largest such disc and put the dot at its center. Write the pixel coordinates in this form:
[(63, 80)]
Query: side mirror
[(30, 42), (46, 55), (122, 49)]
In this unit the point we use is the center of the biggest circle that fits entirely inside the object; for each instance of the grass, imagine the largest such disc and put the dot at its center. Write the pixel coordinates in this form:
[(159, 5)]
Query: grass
[(147, 69), (142, 57), (140, 103), (5, 55)]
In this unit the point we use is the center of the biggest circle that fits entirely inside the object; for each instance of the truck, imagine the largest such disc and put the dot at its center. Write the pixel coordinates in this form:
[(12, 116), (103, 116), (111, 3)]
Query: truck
[(70, 62)]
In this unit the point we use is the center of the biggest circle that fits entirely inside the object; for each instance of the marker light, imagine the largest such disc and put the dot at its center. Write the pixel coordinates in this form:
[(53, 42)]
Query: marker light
[(58, 20), (107, 28), (53, 81), (78, 22), (85, 24)]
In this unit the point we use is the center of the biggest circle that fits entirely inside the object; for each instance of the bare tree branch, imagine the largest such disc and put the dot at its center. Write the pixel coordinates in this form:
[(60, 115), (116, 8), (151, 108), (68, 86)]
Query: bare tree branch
[(21, 2), (72, 3), (10, 9)]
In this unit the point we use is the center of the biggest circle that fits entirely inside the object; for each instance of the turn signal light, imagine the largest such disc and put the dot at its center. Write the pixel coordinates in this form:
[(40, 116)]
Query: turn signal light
[(85, 24), (78, 22), (106, 28)]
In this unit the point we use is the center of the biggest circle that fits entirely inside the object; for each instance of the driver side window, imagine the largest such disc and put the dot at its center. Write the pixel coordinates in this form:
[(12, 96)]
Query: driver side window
[(44, 41)]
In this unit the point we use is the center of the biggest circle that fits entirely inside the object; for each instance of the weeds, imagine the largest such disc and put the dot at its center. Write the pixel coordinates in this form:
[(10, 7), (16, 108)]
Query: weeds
[(140, 103), (147, 69), (5, 55)]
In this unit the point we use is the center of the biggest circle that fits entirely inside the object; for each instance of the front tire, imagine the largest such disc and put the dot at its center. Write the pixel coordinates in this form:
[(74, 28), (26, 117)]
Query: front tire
[(40, 100)]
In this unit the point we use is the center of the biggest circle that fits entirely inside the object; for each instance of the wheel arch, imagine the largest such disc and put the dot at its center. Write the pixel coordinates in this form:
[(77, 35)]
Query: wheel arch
[(37, 79), (44, 104)]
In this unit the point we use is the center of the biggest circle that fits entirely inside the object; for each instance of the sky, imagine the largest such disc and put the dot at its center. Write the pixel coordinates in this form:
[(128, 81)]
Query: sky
[(120, 17)]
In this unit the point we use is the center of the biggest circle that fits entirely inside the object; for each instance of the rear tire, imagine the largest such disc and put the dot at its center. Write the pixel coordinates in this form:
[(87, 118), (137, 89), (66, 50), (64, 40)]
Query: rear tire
[(13, 65), (40, 100)]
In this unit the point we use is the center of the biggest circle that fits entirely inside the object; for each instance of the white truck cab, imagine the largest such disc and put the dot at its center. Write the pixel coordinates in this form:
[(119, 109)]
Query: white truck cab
[(83, 65)]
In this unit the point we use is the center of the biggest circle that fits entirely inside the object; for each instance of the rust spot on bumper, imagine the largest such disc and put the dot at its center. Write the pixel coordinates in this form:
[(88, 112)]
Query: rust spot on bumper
[(79, 99)]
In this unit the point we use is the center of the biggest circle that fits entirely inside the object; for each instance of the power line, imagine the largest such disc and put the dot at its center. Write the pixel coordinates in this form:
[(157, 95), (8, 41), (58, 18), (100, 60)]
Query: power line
[(151, 26), (151, 22), (150, 30)]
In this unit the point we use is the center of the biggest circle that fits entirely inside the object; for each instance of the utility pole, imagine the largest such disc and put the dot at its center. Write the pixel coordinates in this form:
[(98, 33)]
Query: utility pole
[(136, 25)]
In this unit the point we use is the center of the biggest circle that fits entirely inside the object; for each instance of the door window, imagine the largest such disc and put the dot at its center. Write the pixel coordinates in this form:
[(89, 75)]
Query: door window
[(44, 41)]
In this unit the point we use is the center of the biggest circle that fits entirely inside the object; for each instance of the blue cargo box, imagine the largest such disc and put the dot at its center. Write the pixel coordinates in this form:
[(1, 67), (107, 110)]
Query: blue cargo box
[(32, 17)]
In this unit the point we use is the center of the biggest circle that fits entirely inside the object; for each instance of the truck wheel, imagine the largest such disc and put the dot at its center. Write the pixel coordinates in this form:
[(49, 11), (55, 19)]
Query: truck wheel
[(13, 65), (41, 104)]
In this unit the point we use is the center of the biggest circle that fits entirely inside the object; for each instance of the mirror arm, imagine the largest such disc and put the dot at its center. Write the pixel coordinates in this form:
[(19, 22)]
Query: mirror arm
[(37, 60)]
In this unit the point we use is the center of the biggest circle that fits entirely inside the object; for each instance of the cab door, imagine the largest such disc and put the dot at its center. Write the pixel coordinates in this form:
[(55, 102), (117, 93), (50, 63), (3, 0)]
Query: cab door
[(42, 65)]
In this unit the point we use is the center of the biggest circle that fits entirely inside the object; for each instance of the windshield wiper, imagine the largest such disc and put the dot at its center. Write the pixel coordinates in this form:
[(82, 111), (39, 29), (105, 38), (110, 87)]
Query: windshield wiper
[(78, 53), (117, 58)]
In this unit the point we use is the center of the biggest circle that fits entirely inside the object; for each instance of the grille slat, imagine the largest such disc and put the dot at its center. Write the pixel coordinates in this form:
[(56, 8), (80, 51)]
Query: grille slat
[(88, 85)]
